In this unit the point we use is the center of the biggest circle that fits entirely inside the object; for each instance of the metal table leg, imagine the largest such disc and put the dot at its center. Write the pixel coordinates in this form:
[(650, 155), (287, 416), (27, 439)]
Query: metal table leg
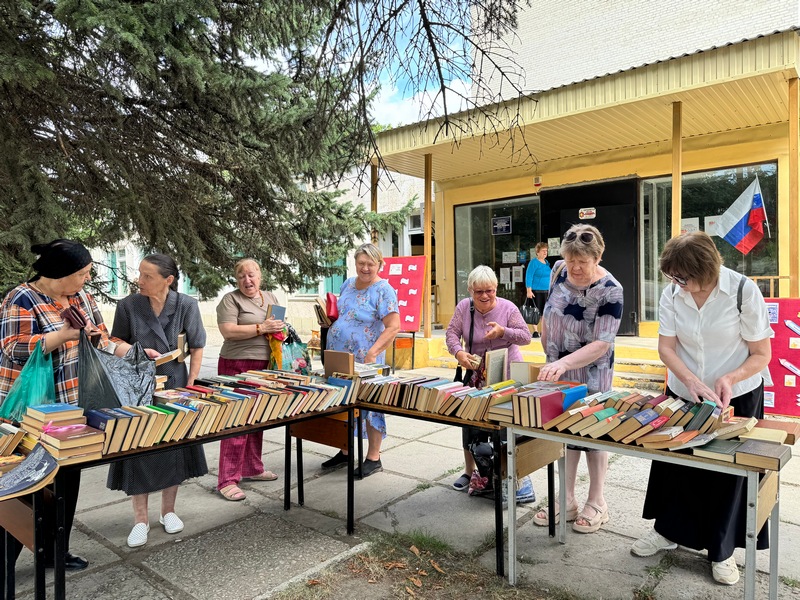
[(750, 537), (39, 544), (301, 489), (511, 468), (498, 502), (350, 480), (774, 534), (59, 572)]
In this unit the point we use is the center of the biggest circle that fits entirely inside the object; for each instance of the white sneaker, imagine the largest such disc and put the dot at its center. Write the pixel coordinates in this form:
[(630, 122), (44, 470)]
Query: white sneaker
[(651, 543), (725, 572), (138, 535), (171, 523)]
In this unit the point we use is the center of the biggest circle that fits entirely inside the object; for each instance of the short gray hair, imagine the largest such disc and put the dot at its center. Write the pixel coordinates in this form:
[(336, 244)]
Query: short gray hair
[(576, 246), (481, 275)]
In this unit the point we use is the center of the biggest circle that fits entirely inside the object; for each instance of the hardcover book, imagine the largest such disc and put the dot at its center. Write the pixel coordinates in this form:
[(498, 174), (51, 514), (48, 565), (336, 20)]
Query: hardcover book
[(735, 427), (662, 435), (718, 449), (776, 436), (54, 412), (72, 436), (792, 428), (701, 439), (640, 419), (764, 455)]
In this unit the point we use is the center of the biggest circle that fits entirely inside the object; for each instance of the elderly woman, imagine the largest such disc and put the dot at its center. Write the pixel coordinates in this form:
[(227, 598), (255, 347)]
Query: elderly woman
[(581, 320), (714, 337), (155, 317), (243, 323), (368, 321), (537, 279), (31, 313), (491, 323)]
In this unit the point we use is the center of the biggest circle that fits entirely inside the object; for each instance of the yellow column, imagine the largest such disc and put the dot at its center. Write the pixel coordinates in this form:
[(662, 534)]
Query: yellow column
[(428, 248), (373, 188), (677, 166), (794, 195)]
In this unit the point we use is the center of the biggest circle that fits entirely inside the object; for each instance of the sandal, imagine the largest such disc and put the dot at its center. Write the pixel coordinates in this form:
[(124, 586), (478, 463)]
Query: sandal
[(600, 518), (232, 492), (264, 476), (542, 518)]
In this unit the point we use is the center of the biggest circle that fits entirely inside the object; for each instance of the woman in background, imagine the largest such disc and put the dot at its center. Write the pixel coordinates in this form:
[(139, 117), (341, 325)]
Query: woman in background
[(154, 317), (581, 320), (368, 321), (243, 323), (537, 281), (495, 323), (715, 347)]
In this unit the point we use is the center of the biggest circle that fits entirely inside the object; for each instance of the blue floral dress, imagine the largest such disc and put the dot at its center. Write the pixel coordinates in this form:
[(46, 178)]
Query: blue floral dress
[(360, 323)]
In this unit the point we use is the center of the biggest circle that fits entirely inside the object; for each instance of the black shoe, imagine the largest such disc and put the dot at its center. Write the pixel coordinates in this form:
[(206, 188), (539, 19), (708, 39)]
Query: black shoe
[(535, 334), (369, 467), (337, 461), (71, 563)]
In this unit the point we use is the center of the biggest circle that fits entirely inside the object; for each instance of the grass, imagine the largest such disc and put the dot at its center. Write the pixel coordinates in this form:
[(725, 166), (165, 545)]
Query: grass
[(789, 582)]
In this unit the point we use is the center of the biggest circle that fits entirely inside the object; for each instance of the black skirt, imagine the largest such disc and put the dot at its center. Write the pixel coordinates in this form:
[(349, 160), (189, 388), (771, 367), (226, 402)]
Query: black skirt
[(154, 472), (702, 509)]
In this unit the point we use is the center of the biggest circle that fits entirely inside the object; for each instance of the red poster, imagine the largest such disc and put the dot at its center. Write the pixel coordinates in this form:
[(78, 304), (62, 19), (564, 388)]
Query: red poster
[(406, 274), (783, 397)]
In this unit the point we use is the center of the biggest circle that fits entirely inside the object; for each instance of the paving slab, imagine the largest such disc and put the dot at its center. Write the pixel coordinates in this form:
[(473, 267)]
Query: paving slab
[(422, 461)]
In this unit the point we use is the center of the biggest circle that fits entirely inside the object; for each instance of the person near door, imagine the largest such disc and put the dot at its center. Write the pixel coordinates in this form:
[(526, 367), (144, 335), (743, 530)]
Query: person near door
[(537, 281), (581, 320), (714, 337)]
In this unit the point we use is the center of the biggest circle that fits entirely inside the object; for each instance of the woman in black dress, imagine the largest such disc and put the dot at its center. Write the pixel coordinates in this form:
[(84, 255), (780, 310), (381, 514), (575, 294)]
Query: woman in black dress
[(154, 317), (714, 337)]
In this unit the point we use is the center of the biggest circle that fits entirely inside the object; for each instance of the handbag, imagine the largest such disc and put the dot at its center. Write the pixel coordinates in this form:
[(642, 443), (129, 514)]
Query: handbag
[(34, 385), (530, 312), (465, 375), (331, 306)]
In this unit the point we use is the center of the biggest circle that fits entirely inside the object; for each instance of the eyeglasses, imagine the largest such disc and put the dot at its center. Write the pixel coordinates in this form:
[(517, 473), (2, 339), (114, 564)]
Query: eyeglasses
[(482, 292), (676, 278), (585, 236)]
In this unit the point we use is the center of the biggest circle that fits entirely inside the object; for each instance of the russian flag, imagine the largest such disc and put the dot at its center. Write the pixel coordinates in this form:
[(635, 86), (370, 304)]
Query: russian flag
[(742, 225)]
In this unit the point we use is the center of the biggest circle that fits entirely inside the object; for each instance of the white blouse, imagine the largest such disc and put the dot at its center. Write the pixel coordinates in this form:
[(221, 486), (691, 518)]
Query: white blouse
[(712, 340)]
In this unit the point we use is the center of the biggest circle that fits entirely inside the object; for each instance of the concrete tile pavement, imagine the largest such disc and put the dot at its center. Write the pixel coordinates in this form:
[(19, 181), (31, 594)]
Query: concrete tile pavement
[(251, 548)]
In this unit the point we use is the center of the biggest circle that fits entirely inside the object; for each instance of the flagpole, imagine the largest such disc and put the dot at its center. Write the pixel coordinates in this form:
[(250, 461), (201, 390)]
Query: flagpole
[(766, 220)]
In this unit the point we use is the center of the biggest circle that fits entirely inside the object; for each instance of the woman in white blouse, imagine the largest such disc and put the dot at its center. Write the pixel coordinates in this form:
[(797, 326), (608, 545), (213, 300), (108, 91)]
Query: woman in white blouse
[(714, 337)]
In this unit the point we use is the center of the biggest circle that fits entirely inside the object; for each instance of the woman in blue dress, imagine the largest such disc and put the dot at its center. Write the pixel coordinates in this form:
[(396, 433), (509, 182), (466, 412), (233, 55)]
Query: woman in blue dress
[(368, 321)]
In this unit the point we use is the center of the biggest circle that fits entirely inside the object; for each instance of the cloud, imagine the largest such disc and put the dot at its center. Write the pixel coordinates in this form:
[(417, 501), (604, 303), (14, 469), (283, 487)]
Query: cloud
[(392, 107)]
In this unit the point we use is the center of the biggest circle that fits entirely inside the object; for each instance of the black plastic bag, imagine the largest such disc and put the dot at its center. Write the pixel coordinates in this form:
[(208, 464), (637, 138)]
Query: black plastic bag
[(530, 312), (108, 381)]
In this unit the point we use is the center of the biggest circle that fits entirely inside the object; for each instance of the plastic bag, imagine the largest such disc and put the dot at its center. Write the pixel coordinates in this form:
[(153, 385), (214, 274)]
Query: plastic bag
[(34, 385), (108, 381), (530, 312), (295, 353)]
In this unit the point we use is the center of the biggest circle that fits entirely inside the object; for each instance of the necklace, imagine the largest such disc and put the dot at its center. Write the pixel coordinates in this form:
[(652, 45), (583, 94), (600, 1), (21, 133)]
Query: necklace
[(261, 296)]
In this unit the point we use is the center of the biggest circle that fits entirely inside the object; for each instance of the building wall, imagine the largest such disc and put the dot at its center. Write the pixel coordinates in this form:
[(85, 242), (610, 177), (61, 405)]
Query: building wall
[(701, 154), (558, 42)]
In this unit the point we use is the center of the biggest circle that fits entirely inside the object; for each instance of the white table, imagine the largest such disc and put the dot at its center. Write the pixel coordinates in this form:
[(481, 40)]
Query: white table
[(750, 473)]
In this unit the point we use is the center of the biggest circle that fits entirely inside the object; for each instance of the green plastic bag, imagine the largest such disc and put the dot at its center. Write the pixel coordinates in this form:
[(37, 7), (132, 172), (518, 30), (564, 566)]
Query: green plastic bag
[(34, 385)]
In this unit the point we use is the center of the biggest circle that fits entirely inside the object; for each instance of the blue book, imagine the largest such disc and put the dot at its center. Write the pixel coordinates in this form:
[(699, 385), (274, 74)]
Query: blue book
[(277, 312), (45, 412), (573, 394)]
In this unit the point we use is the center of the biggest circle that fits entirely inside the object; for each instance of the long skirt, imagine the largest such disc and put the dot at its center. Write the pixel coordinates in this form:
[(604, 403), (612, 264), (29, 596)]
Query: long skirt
[(702, 509), (151, 473)]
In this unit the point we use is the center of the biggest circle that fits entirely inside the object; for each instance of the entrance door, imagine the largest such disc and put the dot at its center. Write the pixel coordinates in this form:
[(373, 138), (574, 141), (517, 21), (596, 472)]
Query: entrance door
[(617, 223)]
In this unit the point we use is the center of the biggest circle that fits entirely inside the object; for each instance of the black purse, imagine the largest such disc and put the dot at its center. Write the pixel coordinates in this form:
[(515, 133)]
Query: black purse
[(465, 375), (530, 312)]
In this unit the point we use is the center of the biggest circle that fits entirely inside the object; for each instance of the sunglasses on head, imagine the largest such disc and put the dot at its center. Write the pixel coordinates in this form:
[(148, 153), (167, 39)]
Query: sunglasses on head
[(676, 278), (585, 236)]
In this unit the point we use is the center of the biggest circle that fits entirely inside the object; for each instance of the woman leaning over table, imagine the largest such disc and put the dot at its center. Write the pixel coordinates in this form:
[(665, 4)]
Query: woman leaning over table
[(714, 351), (243, 322), (581, 320), (155, 317), (31, 313), (368, 321), (496, 323)]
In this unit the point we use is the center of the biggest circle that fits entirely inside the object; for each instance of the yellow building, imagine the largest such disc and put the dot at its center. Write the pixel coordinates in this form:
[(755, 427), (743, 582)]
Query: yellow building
[(638, 153)]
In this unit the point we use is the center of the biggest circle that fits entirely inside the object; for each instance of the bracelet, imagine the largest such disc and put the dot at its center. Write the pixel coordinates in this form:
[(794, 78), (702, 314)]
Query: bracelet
[(258, 328)]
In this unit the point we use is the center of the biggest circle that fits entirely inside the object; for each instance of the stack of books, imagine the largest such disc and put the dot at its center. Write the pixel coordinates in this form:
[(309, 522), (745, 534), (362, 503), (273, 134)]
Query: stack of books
[(36, 417), (73, 443)]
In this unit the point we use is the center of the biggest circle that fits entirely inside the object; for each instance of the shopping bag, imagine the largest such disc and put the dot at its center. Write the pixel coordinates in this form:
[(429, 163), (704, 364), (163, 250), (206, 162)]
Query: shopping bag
[(295, 353), (108, 381), (331, 306), (530, 312), (34, 385)]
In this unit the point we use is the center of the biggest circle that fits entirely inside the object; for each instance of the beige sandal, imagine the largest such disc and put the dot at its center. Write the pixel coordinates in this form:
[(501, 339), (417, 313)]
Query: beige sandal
[(542, 518), (600, 518), (264, 476), (232, 492)]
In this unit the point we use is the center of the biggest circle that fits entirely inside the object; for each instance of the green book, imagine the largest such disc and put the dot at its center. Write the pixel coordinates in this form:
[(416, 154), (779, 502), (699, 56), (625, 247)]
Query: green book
[(724, 450), (171, 413), (706, 409)]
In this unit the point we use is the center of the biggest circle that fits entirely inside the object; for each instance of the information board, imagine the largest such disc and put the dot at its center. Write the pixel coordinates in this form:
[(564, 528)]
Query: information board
[(783, 397), (406, 274)]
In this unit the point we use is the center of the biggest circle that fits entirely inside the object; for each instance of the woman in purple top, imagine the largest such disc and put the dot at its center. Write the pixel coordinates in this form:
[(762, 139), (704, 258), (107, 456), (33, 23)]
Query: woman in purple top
[(581, 320), (496, 323)]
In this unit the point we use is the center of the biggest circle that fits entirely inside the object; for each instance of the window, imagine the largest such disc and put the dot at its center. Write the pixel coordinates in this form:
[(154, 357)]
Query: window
[(480, 240), (333, 283), (706, 194), (118, 266)]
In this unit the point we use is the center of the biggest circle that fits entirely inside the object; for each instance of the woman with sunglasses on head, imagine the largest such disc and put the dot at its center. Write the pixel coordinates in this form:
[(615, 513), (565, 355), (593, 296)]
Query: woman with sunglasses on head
[(494, 323), (581, 320), (714, 337)]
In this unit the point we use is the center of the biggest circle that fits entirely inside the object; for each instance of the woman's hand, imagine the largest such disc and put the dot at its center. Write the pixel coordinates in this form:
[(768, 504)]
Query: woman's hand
[(272, 326), (553, 371), (698, 390), (529, 292), (370, 357), (494, 331), (152, 353), (724, 389), (464, 358)]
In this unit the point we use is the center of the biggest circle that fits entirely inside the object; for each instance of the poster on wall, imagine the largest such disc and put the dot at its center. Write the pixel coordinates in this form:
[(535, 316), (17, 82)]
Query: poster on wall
[(784, 395), (406, 274)]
